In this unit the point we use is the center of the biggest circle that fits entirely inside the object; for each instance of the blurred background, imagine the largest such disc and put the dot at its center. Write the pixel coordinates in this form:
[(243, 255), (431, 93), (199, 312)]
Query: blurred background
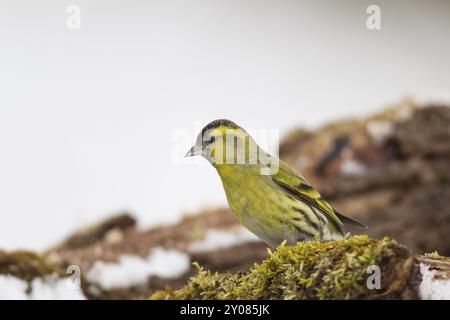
[(89, 118)]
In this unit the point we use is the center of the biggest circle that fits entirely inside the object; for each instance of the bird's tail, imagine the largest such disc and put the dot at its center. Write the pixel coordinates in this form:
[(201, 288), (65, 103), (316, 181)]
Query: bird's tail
[(347, 220)]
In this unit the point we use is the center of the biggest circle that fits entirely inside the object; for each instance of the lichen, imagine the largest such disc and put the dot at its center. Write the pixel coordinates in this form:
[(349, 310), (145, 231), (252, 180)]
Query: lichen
[(311, 270)]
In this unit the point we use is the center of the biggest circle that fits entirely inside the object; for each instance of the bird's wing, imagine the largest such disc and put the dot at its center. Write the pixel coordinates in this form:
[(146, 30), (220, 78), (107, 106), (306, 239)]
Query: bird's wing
[(298, 186)]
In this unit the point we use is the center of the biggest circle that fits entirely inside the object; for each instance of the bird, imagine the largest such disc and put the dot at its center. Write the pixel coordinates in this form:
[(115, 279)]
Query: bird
[(267, 196)]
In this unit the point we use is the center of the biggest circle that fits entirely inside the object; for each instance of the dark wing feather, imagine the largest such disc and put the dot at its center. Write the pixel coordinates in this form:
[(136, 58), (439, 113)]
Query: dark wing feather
[(348, 220), (296, 185)]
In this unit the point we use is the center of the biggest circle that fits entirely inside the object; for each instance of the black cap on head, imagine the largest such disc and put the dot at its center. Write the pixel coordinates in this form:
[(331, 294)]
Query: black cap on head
[(218, 123)]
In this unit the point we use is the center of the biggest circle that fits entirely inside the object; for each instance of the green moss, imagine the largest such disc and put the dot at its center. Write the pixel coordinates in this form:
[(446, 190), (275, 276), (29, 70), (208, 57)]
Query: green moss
[(435, 256), (311, 270), (26, 265)]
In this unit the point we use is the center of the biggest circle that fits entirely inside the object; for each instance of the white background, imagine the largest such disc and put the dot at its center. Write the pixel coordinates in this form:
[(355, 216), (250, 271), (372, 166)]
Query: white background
[(87, 117)]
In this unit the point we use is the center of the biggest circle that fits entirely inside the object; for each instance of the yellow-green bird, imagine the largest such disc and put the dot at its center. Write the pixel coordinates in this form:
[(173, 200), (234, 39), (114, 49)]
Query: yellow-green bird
[(267, 196)]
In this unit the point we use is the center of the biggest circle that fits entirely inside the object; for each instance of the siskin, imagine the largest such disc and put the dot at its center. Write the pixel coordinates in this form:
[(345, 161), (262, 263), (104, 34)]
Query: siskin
[(267, 196)]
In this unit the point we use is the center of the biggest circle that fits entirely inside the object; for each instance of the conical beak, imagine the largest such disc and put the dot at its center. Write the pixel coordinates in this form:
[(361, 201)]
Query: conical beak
[(195, 151)]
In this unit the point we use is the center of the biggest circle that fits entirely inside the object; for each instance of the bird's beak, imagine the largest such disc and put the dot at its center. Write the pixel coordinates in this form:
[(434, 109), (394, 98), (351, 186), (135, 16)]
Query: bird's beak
[(195, 151)]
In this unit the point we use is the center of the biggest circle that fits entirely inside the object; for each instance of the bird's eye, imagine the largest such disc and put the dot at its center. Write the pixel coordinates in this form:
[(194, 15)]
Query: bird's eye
[(212, 139)]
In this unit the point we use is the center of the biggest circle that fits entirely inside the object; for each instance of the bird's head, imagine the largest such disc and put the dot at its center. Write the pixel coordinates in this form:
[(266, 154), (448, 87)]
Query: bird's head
[(224, 142)]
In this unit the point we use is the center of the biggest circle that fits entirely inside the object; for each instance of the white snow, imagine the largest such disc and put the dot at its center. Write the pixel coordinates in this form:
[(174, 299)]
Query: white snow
[(216, 239), (431, 288), (12, 288), (353, 168), (50, 288), (380, 130), (134, 270)]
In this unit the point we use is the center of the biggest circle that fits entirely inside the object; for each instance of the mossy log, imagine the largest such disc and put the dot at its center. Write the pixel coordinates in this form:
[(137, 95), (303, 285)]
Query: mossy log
[(27, 265), (345, 269), (30, 266)]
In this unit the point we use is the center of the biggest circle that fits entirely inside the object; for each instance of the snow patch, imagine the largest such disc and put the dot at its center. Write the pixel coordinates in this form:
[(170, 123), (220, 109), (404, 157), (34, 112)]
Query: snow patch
[(49, 288), (52, 288), (12, 288), (132, 270), (431, 288), (380, 130), (353, 168), (216, 239)]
